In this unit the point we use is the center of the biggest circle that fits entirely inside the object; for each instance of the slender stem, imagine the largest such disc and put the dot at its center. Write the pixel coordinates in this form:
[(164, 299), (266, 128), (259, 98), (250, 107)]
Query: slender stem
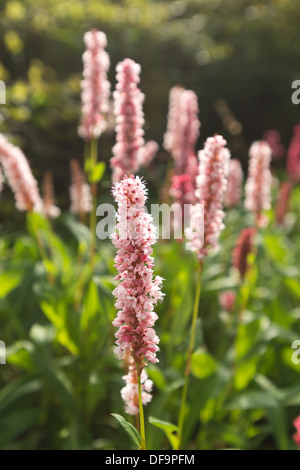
[(94, 187), (189, 357), (142, 420)]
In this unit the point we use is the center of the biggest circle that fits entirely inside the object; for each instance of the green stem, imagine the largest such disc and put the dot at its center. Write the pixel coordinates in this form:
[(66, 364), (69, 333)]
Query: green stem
[(142, 420), (189, 358), (94, 187)]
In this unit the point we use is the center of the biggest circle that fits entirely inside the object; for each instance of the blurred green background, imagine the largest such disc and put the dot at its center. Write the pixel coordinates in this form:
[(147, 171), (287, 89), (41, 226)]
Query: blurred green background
[(244, 52)]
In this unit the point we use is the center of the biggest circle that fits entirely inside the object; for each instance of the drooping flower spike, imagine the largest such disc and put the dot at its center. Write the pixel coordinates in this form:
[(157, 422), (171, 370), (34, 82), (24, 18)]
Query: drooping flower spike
[(138, 291), (95, 86), (80, 191), (19, 177), (210, 192), (234, 184), (130, 392), (50, 209), (258, 184)]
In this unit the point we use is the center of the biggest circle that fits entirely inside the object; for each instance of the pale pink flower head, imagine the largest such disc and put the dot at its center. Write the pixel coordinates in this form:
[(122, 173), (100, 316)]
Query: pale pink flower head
[(171, 143), (293, 156), (80, 191), (297, 435), (128, 110), (130, 393), (227, 300), (95, 86), (234, 184), (19, 177), (183, 128), (258, 185), (51, 211), (138, 291), (211, 188)]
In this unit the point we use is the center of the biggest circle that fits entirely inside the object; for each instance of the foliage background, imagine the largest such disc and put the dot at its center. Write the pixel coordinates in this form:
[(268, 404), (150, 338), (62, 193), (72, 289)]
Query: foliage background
[(62, 381)]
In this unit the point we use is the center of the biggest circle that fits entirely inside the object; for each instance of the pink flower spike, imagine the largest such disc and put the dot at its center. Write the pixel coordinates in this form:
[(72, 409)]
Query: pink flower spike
[(211, 188), (234, 184), (95, 86), (80, 191), (258, 185), (128, 110), (138, 292), (130, 392), (19, 176)]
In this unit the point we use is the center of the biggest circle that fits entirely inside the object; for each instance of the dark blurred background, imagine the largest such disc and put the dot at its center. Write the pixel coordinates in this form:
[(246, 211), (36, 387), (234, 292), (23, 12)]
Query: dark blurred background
[(240, 56)]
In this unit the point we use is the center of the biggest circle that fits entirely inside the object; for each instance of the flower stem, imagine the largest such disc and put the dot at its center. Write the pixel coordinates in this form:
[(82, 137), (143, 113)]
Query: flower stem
[(189, 357), (94, 187), (142, 421)]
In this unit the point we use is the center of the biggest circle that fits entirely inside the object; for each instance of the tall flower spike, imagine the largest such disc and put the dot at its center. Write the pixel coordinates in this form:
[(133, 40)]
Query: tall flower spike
[(128, 110), (211, 188), (50, 209), (293, 156), (95, 86), (80, 191), (130, 392), (234, 185), (243, 247), (171, 143), (19, 176), (138, 292), (258, 185)]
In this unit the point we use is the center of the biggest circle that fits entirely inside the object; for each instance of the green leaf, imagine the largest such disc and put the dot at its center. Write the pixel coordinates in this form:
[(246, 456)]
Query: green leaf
[(129, 429), (169, 429), (97, 172), (203, 364)]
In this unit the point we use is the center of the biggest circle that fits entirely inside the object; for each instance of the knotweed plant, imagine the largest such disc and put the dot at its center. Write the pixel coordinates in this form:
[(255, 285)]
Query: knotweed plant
[(210, 191), (138, 291)]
